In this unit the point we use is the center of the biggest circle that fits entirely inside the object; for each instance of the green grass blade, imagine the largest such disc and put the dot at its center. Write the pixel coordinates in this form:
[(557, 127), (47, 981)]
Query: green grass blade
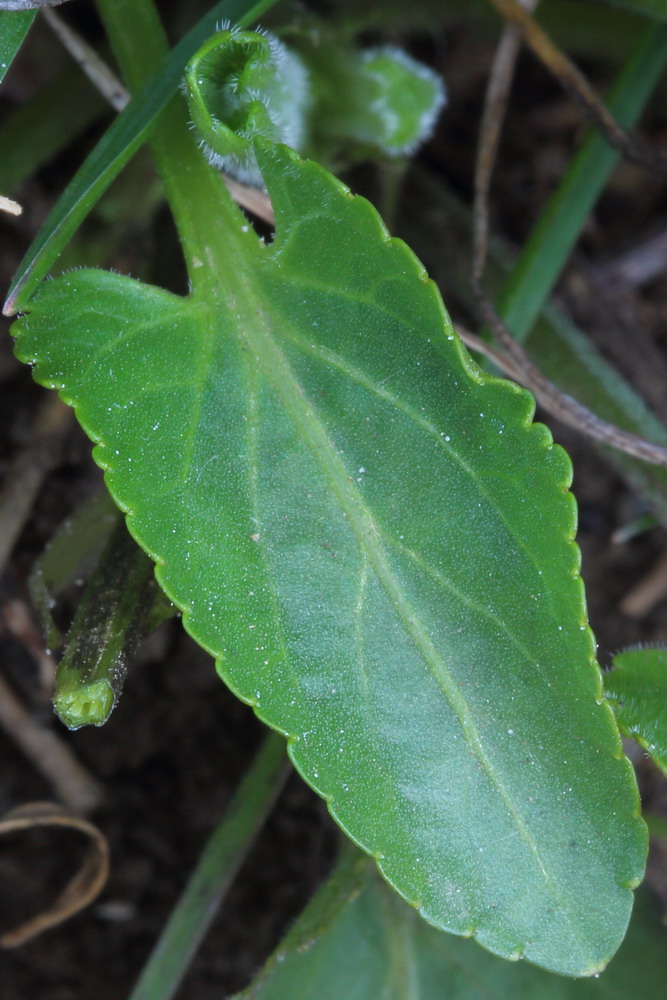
[(14, 26), (116, 147), (544, 255), (656, 9), (221, 858), (33, 135)]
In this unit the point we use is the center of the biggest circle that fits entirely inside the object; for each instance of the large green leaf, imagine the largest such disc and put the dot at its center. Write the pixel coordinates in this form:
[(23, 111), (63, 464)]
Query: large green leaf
[(377, 544), (637, 688), (374, 949)]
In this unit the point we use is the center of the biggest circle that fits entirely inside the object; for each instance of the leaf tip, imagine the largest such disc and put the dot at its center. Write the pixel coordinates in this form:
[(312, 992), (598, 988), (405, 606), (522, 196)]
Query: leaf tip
[(10, 308)]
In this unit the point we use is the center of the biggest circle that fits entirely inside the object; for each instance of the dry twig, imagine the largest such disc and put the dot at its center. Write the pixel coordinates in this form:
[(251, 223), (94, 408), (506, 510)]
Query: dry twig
[(652, 589), (481, 346), (254, 200), (513, 360), (635, 267), (493, 116), (92, 64), (16, 616), (517, 366), (73, 784), (29, 468), (558, 403), (575, 83), (10, 206)]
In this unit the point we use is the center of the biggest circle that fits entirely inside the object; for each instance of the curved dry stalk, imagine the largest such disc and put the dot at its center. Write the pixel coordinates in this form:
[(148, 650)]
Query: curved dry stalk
[(481, 346), (81, 889), (575, 83), (513, 360)]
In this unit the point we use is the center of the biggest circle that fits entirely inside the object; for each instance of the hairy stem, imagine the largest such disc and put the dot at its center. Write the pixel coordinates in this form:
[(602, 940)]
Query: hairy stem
[(204, 212)]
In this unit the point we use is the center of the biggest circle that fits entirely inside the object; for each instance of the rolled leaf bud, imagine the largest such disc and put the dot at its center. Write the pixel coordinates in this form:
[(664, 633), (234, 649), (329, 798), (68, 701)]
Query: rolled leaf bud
[(242, 85)]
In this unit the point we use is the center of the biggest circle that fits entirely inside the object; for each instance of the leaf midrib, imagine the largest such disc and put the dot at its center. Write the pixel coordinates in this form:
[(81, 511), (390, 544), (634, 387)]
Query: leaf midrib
[(329, 357), (333, 360), (254, 327)]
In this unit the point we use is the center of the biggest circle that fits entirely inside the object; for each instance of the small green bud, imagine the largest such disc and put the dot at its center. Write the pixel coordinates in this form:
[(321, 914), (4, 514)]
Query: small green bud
[(409, 98), (377, 101)]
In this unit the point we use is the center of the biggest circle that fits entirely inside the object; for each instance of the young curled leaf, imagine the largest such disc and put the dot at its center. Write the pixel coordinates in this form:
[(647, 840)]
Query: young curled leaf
[(241, 85)]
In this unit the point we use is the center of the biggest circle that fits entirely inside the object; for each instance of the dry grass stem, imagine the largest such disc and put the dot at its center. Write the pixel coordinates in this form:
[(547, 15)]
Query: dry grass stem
[(254, 200), (652, 589), (71, 781), (10, 206), (516, 364), (512, 359), (493, 117), (17, 618), (635, 267), (25, 475), (92, 64)]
